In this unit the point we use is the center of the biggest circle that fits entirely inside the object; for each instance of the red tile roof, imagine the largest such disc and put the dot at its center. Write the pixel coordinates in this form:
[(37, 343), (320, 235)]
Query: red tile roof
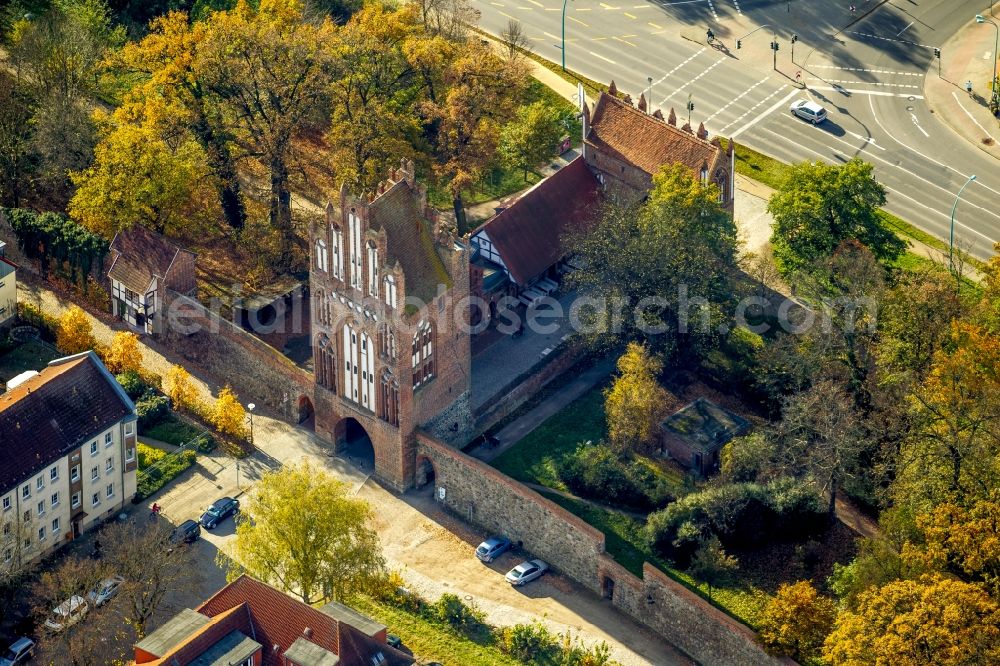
[(139, 255), (57, 410), (530, 233), (619, 129)]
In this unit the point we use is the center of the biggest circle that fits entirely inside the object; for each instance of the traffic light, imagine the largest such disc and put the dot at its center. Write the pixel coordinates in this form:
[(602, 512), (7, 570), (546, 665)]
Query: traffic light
[(739, 44), (937, 52), (795, 38), (774, 46), (690, 106)]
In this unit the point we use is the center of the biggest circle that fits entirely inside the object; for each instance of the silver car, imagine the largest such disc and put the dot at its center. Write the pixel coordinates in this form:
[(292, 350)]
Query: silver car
[(105, 591), (525, 572), (808, 110)]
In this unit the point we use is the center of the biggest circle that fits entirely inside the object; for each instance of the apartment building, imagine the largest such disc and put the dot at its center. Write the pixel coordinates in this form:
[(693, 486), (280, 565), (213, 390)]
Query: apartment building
[(67, 456)]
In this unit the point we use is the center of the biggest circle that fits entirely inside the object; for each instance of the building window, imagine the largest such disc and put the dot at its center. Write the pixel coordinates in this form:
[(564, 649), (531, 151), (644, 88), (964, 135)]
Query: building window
[(74, 474), (109, 465), (39, 483), (390, 291), (75, 501), (95, 499), (6, 529), (129, 428), (95, 473), (355, 244), (359, 365), (55, 526), (6, 503), (387, 341), (8, 555), (110, 490), (129, 454), (54, 500), (422, 354), (108, 439), (372, 270), (326, 365), (93, 448), (41, 533), (54, 474), (27, 542), (338, 253), (41, 508), (26, 491), (27, 516), (321, 255), (389, 404)]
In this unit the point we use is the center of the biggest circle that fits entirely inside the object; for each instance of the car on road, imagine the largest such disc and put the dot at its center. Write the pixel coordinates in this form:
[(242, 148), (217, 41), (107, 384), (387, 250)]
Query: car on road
[(186, 532), (808, 110), (219, 511), (67, 614), (105, 592), (525, 572), (20, 651), (492, 548)]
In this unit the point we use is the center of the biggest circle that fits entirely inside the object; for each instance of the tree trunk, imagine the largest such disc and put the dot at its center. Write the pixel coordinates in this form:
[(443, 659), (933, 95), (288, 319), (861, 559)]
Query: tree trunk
[(831, 510), (281, 210), (221, 163), (459, 207)]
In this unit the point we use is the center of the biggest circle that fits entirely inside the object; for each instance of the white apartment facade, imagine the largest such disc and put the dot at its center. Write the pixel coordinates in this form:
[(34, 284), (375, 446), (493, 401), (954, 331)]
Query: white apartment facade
[(67, 457)]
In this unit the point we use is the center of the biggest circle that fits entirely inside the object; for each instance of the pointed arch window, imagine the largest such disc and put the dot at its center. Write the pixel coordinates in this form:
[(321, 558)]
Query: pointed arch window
[(422, 354), (359, 367), (322, 255), (390, 290), (387, 341), (355, 240), (337, 253), (372, 269), (389, 399), (326, 364)]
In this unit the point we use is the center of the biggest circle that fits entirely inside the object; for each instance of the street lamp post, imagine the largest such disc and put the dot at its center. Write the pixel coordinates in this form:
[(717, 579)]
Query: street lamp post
[(649, 79), (996, 42), (690, 108), (250, 408), (951, 238)]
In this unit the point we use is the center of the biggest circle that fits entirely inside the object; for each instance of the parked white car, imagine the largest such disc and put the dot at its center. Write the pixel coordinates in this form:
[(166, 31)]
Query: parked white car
[(106, 591), (67, 613), (525, 572)]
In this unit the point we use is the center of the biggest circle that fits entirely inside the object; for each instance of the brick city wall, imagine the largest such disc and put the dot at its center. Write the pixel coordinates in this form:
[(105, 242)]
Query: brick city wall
[(493, 501), (255, 370)]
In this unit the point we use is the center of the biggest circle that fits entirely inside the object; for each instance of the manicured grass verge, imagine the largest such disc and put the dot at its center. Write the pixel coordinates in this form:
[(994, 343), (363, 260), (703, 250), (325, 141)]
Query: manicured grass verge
[(625, 543), (535, 457), (430, 641), (178, 432), (156, 469), (33, 355)]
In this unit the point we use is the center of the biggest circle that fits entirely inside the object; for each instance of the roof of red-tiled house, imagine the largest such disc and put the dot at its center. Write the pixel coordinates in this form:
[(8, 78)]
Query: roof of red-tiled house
[(43, 418), (139, 255), (530, 233), (409, 240), (234, 623), (637, 138)]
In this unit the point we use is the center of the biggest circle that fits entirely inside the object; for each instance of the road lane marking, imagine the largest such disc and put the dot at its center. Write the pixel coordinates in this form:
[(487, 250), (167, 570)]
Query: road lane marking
[(629, 15), (607, 6), (865, 69), (597, 55), (623, 41), (508, 16), (867, 139), (888, 39), (752, 108), (865, 83), (664, 77), (971, 117), (904, 29), (703, 73), (711, 6), (654, 25), (875, 93), (498, 4), (764, 114), (578, 21), (740, 96), (913, 116), (738, 10)]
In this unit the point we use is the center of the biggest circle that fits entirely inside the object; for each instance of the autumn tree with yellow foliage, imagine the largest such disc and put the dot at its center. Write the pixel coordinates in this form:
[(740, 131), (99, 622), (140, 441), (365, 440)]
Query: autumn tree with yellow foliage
[(124, 354), (796, 621), (228, 414), (180, 389), (73, 332), (635, 403)]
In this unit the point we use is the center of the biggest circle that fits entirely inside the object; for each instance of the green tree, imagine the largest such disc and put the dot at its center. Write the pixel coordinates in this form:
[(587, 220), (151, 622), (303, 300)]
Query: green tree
[(635, 403), (712, 565), (307, 535), (16, 110), (796, 621), (819, 206), (530, 137), (667, 266), (933, 620)]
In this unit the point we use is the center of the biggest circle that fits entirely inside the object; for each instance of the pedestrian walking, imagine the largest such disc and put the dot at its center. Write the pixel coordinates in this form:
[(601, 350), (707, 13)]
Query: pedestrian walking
[(853, 8), (798, 75)]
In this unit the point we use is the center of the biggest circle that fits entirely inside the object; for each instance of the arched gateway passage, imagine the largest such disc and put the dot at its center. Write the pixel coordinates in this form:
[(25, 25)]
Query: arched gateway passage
[(354, 443)]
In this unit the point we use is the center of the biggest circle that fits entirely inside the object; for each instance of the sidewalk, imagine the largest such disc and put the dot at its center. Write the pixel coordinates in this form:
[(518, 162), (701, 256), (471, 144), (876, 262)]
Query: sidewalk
[(967, 56)]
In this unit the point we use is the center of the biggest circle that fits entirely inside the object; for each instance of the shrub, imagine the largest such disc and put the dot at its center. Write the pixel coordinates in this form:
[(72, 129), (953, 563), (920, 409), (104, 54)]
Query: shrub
[(73, 332), (31, 315), (451, 610), (741, 515), (133, 384), (530, 643), (151, 410), (601, 473), (157, 467)]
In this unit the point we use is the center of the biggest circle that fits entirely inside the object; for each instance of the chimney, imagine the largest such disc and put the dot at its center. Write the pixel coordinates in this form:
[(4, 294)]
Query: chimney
[(307, 633)]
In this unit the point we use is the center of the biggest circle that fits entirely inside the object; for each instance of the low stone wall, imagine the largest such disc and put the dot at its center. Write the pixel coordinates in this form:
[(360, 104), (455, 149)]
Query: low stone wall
[(493, 501), (256, 370)]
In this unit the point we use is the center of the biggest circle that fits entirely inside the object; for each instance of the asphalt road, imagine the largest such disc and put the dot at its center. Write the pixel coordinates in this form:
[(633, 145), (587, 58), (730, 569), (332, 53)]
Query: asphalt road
[(866, 68)]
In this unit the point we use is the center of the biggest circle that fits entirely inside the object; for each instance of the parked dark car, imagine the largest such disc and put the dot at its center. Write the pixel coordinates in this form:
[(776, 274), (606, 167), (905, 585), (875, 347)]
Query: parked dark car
[(219, 511), (186, 532)]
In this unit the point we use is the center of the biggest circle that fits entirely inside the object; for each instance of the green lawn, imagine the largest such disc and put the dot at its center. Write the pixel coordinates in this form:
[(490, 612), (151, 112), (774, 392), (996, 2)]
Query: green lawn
[(534, 458), (33, 355), (431, 641), (625, 543), (176, 431)]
